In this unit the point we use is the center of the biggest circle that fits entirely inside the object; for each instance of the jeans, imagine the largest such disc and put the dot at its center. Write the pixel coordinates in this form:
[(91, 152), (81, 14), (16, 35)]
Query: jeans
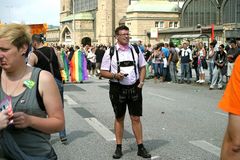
[(156, 69), (211, 67), (217, 78), (173, 71), (197, 73), (185, 71), (59, 83)]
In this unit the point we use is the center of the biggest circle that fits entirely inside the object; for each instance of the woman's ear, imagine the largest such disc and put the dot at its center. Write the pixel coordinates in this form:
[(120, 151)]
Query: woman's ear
[(23, 49)]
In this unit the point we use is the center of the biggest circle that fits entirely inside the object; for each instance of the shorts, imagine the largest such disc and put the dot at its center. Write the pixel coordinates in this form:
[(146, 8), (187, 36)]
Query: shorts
[(122, 96)]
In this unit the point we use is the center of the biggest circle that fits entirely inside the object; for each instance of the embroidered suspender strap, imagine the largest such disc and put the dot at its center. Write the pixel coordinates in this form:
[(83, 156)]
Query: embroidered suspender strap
[(118, 63), (134, 62)]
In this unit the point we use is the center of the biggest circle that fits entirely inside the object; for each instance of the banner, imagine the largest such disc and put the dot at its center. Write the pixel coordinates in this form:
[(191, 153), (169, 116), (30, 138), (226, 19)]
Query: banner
[(154, 32)]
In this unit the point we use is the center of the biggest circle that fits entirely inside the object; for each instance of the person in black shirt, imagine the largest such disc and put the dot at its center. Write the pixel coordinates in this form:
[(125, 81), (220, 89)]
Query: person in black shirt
[(45, 58), (99, 55), (220, 61)]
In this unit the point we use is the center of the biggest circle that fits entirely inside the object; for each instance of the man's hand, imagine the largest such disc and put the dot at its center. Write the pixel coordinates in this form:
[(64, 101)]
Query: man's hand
[(21, 120), (4, 119), (140, 85), (119, 76)]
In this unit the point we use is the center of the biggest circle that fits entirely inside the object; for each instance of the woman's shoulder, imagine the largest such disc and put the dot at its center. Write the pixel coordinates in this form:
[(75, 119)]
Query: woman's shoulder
[(45, 76)]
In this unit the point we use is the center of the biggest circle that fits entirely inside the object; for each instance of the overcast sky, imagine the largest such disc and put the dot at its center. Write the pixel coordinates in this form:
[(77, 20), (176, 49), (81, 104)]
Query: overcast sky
[(30, 11)]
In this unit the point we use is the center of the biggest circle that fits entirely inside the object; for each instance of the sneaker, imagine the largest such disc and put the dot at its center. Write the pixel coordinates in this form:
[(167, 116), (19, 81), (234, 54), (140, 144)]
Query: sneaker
[(202, 81), (143, 153), (198, 81), (117, 154)]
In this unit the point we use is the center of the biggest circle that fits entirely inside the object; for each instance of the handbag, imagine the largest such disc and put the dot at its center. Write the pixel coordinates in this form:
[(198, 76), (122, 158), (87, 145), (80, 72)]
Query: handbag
[(224, 69), (204, 64)]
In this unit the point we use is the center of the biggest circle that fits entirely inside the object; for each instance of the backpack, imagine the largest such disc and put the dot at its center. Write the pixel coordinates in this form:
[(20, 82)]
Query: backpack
[(175, 57)]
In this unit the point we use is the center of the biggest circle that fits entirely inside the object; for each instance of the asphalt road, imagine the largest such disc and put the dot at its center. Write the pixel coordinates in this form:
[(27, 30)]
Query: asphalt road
[(180, 122)]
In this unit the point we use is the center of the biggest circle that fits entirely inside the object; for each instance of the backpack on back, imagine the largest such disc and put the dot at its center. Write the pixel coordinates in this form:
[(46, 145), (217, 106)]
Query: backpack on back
[(175, 57)]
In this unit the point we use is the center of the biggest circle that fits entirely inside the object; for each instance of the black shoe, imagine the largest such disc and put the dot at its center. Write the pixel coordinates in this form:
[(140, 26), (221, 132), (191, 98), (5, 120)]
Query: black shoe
[(117, 154), (188, 82), (143, 153)]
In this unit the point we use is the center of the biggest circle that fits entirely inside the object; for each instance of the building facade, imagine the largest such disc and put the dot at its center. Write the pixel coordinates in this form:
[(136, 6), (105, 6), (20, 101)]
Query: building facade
[(97, 19), (147, 15), (204, 16), (151, 21)]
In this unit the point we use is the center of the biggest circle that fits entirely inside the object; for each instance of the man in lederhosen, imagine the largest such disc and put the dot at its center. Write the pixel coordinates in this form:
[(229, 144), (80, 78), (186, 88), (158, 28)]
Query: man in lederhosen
[(125, 67)]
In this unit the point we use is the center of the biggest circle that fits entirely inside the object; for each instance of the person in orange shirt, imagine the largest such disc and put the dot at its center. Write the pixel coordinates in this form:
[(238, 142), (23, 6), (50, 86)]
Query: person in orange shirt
[(230, 103)]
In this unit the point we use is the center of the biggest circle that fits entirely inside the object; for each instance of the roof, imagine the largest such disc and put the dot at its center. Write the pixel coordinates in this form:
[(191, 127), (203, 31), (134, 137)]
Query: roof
[(153, 6), (78, 16)]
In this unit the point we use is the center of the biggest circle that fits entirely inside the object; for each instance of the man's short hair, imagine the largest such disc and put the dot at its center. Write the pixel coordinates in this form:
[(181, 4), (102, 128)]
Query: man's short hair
[(86, 41), (212, 44), (39, 38), (121, 28), (221, 45), (233, 41)]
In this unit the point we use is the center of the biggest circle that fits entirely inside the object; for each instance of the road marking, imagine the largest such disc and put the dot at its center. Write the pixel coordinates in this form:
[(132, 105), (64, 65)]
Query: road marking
[(101, 129), (70, 101), (223, 114), (207, 147), (164, 97), (155, 157)]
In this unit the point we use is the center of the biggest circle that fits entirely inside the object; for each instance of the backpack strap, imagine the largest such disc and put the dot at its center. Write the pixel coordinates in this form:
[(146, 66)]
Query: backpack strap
[(136, 48), (135, 67), (118, 63), (39, 98), (111, 54)]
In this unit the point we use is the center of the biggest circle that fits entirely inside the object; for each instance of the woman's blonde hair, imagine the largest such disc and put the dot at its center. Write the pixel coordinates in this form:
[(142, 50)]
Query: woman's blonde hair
[(17, 34)]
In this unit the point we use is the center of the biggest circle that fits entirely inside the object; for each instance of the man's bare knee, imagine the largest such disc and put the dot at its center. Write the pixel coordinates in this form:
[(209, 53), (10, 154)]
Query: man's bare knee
[(235, 146), (135, 119), (120, 119)]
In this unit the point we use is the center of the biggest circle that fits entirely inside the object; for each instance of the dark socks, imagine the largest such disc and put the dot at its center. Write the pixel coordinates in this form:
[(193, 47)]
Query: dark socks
[(140, 146), (119, 146)]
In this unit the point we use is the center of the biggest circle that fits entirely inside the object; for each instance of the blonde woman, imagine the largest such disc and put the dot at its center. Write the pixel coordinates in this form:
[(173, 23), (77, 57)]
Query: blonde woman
[(33, 96), (201, 58)]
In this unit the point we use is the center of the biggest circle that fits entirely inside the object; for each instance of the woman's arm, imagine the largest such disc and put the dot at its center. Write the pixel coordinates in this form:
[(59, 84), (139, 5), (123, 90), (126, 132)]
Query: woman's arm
[(53, 104), (32, 59)]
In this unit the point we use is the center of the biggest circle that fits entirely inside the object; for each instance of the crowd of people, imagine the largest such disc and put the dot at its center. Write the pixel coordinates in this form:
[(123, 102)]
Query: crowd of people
[(165, 60)]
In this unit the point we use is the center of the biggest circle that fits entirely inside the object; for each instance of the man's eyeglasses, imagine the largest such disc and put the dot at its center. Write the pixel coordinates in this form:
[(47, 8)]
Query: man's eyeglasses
[(127, 34)]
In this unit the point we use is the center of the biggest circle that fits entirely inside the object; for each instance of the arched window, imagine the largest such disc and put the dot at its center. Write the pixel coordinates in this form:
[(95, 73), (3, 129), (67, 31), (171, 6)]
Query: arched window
[(231, 11), (202, 12)]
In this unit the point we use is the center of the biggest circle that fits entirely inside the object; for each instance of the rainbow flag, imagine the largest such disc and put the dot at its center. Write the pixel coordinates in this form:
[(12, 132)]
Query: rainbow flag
[(78, 67), (65, 72)]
